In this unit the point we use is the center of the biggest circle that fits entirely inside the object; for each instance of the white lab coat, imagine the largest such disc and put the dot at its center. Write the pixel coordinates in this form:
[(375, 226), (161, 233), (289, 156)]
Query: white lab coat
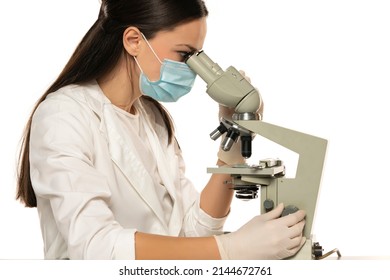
[(93, 188)]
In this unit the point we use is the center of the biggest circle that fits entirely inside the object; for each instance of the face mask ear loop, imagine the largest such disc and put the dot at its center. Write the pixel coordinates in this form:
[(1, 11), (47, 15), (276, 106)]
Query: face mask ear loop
[(139, 66), (147, 42)]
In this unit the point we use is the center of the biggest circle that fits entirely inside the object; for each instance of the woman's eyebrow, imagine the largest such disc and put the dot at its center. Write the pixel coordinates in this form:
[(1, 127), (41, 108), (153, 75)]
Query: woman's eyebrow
[(188, 46)]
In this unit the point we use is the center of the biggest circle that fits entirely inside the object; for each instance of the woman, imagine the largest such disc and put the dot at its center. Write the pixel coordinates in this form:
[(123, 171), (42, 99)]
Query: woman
[(100, 160)]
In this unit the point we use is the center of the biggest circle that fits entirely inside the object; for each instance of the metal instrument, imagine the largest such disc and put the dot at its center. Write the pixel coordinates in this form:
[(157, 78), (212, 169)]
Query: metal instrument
[(231, 89)]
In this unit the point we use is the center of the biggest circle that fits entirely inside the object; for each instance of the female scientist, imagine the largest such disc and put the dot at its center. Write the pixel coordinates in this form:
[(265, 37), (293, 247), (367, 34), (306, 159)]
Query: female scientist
[(100, 161)]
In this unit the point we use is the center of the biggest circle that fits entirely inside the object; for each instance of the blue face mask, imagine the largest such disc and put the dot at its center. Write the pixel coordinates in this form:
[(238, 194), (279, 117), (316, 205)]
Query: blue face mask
[(176, 80)]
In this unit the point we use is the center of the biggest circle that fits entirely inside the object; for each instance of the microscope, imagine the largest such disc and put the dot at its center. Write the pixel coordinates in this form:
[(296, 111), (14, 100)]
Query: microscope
[(230, 88)]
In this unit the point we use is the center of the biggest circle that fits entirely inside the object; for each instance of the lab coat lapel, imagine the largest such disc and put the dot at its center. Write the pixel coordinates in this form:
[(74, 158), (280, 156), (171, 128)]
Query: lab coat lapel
[(177, 216), (123, 154), (168, 170)]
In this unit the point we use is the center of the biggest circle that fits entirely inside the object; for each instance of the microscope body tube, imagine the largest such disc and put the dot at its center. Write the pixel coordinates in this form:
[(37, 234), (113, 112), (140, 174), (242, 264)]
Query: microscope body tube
[(202, 65), (229, 88)]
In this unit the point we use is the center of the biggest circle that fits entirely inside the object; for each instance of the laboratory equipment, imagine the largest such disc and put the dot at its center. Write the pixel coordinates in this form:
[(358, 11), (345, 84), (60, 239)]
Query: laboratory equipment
[(230, 88)]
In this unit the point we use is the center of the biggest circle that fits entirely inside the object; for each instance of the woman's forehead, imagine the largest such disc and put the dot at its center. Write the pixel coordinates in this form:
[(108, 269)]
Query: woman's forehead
[(191, 34)]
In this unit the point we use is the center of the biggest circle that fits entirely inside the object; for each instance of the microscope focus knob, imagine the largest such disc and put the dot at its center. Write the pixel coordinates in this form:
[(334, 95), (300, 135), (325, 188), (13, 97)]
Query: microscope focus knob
[(289, 209), (268, 205)]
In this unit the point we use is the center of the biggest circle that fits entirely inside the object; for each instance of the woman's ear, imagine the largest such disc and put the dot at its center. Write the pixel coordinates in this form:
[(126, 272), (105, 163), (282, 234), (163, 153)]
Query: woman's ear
[(132, 38)]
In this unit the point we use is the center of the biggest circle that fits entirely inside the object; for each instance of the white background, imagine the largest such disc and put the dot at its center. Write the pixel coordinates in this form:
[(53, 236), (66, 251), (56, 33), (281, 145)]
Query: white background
[(322, 67)]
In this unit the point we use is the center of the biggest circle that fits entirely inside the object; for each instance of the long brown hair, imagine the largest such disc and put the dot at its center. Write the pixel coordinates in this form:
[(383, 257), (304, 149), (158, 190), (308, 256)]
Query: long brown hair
[(100, 50)]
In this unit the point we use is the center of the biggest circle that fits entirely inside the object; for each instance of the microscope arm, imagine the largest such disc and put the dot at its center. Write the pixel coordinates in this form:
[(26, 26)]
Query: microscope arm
[(301, 191)]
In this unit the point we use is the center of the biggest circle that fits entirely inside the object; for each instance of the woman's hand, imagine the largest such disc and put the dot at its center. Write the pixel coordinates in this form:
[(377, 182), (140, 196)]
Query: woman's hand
[(266, 236)]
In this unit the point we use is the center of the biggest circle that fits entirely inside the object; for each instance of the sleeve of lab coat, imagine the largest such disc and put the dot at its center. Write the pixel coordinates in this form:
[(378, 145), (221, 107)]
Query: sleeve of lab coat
[(196, 221), (61, 156)]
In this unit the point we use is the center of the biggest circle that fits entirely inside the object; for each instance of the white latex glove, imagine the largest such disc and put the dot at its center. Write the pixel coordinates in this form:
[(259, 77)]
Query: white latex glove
[(265, 237), (233, 156)]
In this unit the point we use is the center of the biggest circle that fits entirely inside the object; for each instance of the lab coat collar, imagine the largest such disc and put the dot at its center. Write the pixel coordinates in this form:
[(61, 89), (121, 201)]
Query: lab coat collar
[(129, 162)]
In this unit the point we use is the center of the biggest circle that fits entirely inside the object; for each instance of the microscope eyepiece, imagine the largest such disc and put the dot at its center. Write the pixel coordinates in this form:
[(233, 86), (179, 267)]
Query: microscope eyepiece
[(191, 53)]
